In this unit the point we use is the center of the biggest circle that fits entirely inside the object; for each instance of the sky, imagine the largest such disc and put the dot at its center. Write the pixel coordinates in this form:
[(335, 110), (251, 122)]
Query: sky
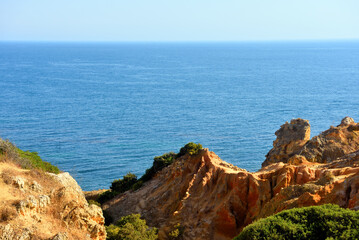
[(178, 20)]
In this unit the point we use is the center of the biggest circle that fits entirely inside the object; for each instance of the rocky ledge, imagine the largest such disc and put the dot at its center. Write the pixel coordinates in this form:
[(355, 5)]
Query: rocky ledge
[(39, 205), (212, 199)]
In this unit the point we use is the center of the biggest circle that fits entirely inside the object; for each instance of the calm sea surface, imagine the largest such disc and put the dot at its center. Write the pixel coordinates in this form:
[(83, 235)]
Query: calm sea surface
[(100, 110)]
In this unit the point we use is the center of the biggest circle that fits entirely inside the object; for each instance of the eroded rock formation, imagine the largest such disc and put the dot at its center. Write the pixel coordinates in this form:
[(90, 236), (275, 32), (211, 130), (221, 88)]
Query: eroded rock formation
[(212, 199), (39, 205), (294, 139), (291, 137)]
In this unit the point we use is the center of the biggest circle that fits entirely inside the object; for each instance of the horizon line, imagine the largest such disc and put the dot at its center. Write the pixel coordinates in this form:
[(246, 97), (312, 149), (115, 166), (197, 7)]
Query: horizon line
[(181, 41)]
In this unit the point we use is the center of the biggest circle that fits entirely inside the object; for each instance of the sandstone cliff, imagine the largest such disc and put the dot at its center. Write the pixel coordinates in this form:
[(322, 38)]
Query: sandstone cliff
[(212, 199), (294, 139), (39, 205)]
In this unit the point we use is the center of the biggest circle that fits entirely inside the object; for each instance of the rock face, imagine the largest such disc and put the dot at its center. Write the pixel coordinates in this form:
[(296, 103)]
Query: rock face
[(39, 205), (212, 199), (291, 137)]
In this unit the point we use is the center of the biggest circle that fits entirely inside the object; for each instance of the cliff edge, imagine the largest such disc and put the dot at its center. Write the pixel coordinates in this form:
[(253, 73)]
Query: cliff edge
[(212, 199), (35, 204)]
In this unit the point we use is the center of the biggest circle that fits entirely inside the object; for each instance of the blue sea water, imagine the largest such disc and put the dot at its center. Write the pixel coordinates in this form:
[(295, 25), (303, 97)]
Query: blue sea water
[(100, 110)]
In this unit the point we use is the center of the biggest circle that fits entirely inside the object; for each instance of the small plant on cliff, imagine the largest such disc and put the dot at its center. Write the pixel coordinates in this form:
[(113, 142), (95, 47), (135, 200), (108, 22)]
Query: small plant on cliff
[(125, 184), (129, 181), (190, 148), (159, 163), (327, 178), (176, 233), (131, 227), (93, 202), (105, 196), (26, 159), (318, 222)]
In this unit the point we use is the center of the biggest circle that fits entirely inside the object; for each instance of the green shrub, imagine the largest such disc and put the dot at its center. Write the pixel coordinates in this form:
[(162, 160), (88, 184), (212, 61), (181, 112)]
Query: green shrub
[(159, 163), (190, 148), (105, 196), (25, 159), (93, 202), (137, 185), (176, 233), (131, 227), (125, 184), (37, 162), (318, 222)]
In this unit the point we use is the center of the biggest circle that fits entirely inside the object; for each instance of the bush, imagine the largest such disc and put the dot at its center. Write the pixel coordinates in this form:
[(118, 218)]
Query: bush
[(105, 196), (37, 162), (125, 184), (318, 222), (176, 233), (131, 227), (159, 163), (327, 178), (137, 185), (128, 182), (93, 202), (25, 159), (190, 148)]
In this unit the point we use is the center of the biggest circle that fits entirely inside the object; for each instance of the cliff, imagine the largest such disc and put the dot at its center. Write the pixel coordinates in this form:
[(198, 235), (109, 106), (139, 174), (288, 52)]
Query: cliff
[(38, 205), (212, 199)]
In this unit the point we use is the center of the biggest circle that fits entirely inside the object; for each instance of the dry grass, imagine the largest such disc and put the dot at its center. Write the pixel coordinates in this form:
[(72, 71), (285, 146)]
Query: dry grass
[(295, 191), (327, 178)]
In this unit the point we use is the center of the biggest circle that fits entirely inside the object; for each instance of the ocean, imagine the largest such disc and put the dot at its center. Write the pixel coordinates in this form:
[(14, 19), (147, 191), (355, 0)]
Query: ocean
[(101, 110)]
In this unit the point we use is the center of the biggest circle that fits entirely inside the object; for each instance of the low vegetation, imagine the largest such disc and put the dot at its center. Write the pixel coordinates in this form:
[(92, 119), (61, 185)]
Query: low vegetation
[(176, 233), (25, 159), (190, 148), (131, 227), (159, 163), (318, 222), (125, 184)]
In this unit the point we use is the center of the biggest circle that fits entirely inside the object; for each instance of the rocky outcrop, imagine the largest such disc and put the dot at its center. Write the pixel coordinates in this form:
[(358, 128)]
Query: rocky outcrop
[(212, 199), (293, 139), (39, 205)]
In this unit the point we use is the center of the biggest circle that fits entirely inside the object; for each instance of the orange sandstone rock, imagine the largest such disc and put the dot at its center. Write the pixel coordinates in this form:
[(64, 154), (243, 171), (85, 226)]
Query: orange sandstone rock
[(212, 199)]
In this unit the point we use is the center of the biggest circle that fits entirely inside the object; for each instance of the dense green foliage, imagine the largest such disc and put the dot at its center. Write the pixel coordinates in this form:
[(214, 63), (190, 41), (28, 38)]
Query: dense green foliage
[(125, 184), (131, 227), (37, 162), (159, 163), (105, 196), (25, 159), (318, 222), (129, 181), (190, 148)]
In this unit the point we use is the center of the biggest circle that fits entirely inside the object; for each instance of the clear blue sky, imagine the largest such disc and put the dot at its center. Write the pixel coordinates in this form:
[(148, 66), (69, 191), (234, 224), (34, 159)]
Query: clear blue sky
[(178, 20)]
